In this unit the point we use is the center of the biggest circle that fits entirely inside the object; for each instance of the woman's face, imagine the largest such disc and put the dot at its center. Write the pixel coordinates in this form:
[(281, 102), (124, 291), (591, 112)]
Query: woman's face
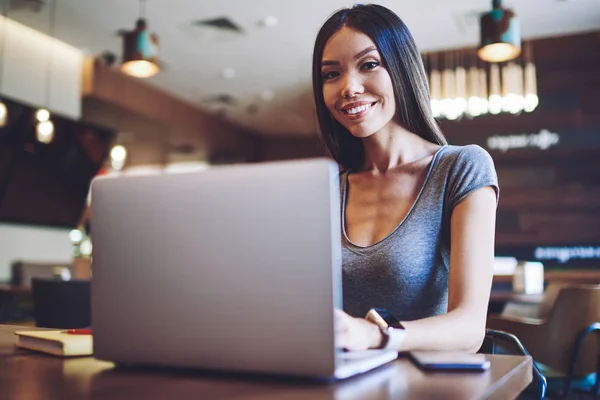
[(357, 89)]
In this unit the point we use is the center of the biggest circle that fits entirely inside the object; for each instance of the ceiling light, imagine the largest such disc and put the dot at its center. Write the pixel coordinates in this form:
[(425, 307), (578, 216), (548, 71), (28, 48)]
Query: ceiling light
[(3, 114), (267, 95), (118, 155), (76, 236), (140, 49), (228, 73), (44, 131), (500, 34), (269, 21), (3, 108), (42, 115)]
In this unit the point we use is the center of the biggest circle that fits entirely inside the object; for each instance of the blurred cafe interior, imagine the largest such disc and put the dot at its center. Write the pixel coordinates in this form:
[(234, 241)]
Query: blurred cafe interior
[(91, 88)]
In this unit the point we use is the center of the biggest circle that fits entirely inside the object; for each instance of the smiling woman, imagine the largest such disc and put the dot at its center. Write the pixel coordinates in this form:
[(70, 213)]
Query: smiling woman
[(386, 49), (418, 215)]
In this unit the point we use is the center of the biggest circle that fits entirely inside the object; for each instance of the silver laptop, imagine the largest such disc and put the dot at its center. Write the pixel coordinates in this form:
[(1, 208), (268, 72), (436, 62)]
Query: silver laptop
[(236, 268)]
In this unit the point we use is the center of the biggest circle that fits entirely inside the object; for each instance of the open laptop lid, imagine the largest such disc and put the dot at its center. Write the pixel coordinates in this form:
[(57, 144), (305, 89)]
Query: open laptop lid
[(234, 268)]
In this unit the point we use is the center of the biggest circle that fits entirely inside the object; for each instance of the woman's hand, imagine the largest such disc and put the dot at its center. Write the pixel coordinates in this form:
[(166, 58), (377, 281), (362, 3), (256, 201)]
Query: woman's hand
[(356, 333)]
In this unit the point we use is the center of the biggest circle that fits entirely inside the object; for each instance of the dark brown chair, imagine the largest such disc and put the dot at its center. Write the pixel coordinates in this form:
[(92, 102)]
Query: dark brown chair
[(567, 315)]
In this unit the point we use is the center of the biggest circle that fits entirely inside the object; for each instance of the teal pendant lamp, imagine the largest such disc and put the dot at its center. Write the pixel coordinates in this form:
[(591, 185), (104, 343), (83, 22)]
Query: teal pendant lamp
[(500, 35), (140, 50)]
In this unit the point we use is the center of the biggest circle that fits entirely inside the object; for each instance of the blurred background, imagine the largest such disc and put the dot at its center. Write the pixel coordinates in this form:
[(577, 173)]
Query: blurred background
[(159, 86)]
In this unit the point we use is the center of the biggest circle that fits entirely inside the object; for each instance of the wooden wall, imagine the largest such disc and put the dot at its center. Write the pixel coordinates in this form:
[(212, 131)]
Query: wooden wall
[(282, 148), (552, 196)]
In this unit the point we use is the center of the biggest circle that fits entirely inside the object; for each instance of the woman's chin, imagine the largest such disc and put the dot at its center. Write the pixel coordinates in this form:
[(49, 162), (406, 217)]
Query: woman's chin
[(361, 133)]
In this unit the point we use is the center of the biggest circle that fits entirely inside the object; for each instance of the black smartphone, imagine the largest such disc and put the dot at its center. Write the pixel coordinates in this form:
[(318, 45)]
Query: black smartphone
[(449, 361)]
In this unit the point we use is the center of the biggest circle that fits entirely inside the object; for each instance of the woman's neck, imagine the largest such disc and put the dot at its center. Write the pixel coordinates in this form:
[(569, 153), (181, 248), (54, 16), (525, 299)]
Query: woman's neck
[(393, 147)]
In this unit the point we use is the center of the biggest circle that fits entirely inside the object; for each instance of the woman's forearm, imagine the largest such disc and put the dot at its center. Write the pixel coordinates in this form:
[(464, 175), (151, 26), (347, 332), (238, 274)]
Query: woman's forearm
[(455, 330)]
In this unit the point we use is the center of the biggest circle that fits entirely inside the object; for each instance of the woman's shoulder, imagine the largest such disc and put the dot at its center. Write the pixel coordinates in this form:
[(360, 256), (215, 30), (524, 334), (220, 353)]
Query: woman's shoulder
[(470, 154)]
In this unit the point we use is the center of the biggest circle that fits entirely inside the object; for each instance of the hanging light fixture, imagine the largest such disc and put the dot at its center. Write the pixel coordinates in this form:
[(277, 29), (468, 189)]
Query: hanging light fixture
[(44, 129), (460, 74), (118, 156), (3, 109), (500, 34), (519, 100), (484, 104), (449, 110), (531, 98), (140, 49), (474, 103), (507, 84), (3, 114), (471, 88), (495, 99), (435, 83)]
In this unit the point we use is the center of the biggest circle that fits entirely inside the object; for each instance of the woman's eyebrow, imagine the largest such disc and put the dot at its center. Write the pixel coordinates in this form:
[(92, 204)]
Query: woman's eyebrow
[(356, 56)]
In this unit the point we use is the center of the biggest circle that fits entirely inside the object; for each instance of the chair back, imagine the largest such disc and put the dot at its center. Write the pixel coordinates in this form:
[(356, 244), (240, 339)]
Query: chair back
[(550, 295), (61, 304), (23, 272), (576, 307)]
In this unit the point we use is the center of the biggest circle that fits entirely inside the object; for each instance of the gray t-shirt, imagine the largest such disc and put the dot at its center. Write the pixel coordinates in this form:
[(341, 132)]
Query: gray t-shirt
[(407, 272)]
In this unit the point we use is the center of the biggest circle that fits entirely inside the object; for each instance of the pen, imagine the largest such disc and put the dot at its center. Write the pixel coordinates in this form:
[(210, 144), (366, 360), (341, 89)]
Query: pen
[(78, 332)]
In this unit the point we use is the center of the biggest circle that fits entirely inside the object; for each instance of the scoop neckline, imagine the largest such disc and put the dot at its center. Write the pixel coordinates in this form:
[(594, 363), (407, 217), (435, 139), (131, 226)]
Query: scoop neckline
[(401, 223)]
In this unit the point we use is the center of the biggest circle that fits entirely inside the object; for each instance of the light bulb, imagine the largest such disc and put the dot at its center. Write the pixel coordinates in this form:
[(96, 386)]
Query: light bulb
[(531, 102), (531, 97), (3, 114), (76, 236), (42, 115), (474, 108), (495, 98), (436, 108), (140, 68), (118, 153), (45, 131)]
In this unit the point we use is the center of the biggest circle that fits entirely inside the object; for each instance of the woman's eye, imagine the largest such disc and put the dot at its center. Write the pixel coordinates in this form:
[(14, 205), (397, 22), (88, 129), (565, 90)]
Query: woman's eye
[(370, 65), (329, 75)]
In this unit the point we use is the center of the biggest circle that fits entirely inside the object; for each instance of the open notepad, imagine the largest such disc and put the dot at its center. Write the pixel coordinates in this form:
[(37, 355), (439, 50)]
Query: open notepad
[(58, 343)]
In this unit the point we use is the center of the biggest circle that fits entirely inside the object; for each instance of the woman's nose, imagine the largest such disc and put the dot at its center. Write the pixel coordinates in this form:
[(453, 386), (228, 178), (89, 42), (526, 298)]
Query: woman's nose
[(352, 86)]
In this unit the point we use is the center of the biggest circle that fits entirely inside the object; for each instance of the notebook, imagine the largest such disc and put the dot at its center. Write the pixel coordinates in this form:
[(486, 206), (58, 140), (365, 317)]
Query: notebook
[(57, 343)]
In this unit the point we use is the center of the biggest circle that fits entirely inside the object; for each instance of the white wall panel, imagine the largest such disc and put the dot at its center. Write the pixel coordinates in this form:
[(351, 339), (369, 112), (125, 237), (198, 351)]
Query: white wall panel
[(31, 59)]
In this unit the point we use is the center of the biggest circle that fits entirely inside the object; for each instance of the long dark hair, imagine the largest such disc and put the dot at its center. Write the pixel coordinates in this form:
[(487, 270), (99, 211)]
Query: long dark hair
[(400, 58)]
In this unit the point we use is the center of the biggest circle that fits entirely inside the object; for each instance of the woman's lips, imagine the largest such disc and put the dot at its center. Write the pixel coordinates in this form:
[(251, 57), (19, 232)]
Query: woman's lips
[(356, 111)]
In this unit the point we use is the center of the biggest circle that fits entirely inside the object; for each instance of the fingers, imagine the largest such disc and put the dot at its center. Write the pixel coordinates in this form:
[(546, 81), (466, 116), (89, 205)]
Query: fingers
[(349, 331)]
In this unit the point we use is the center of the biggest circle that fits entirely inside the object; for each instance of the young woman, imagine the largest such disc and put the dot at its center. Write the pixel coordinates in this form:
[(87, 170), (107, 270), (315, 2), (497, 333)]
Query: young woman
[(418, 215)]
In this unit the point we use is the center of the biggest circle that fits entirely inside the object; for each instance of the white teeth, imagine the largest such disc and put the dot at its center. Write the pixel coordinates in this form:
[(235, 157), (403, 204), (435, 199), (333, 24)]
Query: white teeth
[(356, 110)]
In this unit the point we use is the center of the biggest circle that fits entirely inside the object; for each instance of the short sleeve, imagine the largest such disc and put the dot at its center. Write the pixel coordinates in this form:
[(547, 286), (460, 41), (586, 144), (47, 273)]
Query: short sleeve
[(473, 169)]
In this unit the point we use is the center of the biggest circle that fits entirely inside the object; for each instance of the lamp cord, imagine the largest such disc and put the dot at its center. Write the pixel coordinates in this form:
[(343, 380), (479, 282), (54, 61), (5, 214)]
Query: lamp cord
[(5, 6), (142, 9), (52, 11)]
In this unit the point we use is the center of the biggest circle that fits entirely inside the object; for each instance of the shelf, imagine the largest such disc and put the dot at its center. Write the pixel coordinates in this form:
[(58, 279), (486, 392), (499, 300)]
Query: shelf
[(574, 276)]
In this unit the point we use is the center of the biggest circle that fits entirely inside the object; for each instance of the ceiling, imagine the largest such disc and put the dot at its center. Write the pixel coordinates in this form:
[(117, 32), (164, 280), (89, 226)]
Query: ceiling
[(274, 61)]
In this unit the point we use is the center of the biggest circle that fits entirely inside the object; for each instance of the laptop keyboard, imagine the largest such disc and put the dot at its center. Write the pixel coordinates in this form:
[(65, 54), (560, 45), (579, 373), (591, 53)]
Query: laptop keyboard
[(358, 355)]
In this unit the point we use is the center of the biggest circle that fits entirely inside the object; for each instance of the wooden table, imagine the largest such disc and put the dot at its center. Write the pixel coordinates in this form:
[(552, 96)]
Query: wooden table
[(504, 296), (29, 375)]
